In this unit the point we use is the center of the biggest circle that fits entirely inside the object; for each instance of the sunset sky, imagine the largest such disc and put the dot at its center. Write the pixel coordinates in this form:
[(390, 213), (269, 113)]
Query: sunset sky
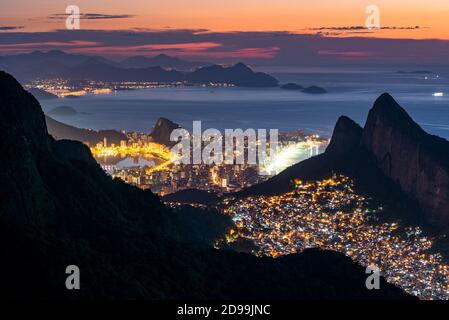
[(236, 15), (41, 26)]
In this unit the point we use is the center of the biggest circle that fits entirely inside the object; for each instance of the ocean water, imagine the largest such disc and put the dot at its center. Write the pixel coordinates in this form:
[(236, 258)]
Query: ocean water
[(351, 92)]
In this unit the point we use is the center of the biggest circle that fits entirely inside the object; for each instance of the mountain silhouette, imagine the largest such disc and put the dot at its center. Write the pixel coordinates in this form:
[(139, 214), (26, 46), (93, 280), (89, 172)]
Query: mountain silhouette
[(162, 131), (94, 69), (61, 131), (416, 160), (161, 68), (239, 75), (161, 60)]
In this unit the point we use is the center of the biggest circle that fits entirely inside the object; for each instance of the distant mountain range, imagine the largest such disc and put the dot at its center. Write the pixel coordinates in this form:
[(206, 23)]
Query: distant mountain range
[(94, 69), (162, 68), (162, 60), (56, 61), (58, 208)]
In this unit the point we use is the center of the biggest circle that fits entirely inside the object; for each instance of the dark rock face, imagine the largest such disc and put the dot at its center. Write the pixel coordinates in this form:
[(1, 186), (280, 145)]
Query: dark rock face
[(161, 60), (162, 131), (98, 70), (54, 64), (23, 115), (416, 160)]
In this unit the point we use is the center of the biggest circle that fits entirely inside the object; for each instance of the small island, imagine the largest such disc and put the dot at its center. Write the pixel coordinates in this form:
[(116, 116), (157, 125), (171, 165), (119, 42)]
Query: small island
[(63, 111), (292, 86), (314, 90), (72, 96)]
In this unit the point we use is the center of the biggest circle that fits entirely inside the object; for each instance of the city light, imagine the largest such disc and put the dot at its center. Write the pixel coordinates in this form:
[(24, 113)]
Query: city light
[(329, 214), (293, 153)]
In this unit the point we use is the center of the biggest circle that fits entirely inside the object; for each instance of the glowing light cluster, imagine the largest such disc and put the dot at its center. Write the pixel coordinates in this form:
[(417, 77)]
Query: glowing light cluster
[(328, 214), (292, 154)]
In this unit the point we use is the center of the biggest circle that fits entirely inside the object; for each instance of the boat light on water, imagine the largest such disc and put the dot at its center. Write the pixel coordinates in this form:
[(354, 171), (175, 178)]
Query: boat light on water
[(438, 94)]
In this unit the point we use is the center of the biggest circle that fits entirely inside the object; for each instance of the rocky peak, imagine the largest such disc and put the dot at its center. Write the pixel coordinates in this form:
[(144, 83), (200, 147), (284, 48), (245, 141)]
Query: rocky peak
[(241, 66), (416, 160), (162, 131), (386, 111), (346, 136)]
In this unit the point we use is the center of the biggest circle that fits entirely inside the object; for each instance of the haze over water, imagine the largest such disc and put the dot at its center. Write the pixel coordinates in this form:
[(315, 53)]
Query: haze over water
[(351, 92)]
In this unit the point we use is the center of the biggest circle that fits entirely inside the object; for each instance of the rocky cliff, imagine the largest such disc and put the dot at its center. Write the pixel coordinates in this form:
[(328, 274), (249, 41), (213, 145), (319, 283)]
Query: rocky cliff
[(416, 160)]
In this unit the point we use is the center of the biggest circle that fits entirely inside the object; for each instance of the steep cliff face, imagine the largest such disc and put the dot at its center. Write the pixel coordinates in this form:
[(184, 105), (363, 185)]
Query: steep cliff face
[(416, 160)]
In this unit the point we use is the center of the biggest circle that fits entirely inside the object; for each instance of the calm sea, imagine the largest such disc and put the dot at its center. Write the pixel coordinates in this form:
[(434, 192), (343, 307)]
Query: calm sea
[(351, 92)]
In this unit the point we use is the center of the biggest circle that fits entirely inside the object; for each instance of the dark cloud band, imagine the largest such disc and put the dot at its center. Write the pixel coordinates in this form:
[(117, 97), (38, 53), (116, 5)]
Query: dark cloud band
[(352, 28), (270, 48), (91, 16), (8, 28)]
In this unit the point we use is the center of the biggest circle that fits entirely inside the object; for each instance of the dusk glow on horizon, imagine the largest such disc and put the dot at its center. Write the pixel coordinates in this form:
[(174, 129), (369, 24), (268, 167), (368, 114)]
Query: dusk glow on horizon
[(296, 16), (228, 30)]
